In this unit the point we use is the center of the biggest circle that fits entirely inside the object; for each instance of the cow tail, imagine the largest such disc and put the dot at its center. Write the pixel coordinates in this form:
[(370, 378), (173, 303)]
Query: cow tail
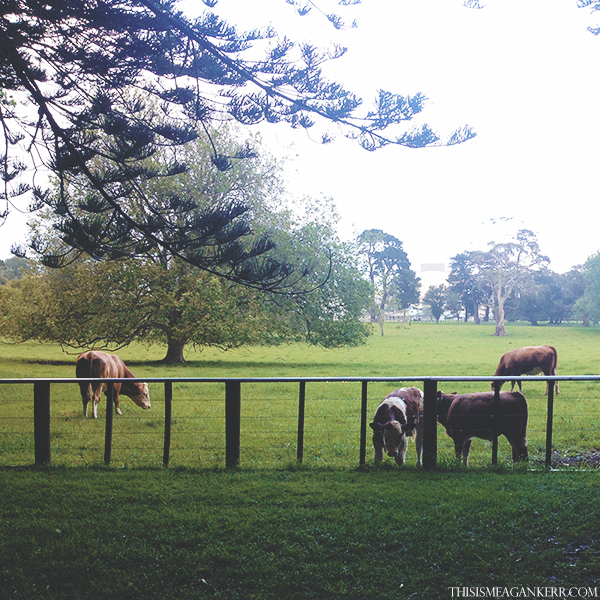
[(555, 365), (89, 394)]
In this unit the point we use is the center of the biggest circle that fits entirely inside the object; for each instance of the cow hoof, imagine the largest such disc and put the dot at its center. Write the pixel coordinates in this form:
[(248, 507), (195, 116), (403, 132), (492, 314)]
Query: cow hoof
[(119, 411)]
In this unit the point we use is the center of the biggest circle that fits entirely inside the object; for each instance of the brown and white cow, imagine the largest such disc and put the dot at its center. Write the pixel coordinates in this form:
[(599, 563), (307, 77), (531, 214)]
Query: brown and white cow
[(466, 416), (102, 365), (530, 360), (397, 418)]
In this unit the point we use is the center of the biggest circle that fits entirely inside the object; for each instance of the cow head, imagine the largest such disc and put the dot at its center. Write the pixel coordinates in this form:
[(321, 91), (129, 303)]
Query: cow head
[(140, 394), (394, 436)]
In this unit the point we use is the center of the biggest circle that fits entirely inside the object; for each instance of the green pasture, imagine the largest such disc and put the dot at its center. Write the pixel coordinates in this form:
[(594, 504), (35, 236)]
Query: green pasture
[(270, 411), (275, 530)]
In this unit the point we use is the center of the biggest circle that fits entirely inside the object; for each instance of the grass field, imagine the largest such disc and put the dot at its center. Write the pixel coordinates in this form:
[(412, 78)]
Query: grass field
[(276, 530), (270, 411)]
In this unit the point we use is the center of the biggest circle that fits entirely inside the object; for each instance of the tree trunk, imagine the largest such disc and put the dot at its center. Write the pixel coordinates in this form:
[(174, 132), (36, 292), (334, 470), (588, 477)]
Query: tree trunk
[(499, 310), (174, 352), (476, 313)]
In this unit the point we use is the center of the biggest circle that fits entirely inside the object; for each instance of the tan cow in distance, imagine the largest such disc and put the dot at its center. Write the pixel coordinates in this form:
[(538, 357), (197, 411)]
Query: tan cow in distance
[(530, 360), (101, 365)]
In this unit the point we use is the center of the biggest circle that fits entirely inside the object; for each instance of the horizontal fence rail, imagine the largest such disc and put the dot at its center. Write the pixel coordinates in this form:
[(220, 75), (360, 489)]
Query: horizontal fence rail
[(233, 409)]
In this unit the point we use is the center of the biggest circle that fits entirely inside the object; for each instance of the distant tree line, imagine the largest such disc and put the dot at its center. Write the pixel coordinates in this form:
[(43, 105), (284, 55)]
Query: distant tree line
[(512, 282)]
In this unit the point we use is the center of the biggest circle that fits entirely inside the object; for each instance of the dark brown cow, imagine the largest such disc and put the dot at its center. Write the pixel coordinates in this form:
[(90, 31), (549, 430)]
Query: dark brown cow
[(397, 418), (466, 416), (102, 365), (530, 360)]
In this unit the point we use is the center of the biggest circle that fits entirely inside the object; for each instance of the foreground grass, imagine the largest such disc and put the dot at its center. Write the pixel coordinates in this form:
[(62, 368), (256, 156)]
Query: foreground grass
[(292, 534)]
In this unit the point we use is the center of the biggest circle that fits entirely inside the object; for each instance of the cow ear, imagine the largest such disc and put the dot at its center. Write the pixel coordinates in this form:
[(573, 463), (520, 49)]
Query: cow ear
[(376, 426)]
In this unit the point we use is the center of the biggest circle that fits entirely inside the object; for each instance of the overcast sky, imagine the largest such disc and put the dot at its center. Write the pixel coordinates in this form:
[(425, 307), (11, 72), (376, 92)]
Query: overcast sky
[(522, 73)]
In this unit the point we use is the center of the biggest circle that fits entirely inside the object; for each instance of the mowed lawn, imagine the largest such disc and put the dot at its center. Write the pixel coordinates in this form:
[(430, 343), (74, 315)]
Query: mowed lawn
[(273, 529)]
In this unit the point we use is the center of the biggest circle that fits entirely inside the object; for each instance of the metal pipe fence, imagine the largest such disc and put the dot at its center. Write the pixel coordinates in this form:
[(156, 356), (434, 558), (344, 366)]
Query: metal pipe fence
[(233, 404)]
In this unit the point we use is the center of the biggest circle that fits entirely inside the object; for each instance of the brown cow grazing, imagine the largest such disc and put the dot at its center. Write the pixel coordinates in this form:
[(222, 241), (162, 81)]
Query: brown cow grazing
[(466, 416), (397, 418), (102, 365), (530, 360)]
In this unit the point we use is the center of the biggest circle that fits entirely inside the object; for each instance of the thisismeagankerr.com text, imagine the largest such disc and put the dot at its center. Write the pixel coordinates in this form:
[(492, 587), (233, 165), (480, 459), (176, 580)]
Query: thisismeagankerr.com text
[(524, 592)]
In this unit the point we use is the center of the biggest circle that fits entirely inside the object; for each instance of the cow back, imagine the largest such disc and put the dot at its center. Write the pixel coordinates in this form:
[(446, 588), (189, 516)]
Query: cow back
[(528, 359), (413, 402), (101, 365), (472, 414)]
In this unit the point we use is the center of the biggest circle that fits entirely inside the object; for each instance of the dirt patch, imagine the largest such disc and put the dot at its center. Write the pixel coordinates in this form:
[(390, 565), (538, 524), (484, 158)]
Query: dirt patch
[(589, 459)]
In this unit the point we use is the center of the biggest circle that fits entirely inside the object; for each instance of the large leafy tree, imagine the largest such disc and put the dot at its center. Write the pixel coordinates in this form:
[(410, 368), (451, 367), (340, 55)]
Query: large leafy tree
[(464, 280), (161, 299), (110, 304), (508, 267), (549, 297), (435, 298), (387, 267), (85, 71)]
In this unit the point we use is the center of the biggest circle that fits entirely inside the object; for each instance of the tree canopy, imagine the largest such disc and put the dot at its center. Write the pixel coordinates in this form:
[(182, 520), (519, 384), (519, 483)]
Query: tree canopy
[(386, 266), (161, 299), (92, 89)]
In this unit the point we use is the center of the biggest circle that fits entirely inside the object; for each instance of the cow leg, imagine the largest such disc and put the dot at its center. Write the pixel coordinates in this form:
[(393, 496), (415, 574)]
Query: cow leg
[(117, 389), (378, 445), (519, 449), (402, 447), (117, 392), (86, 395), (419, 440), (463, 449), (97, 393)]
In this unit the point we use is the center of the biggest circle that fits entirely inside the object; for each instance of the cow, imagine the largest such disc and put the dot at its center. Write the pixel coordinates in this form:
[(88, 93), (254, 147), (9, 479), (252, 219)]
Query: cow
[(466, 416), (530, 360), (398, 417), (101, 365)]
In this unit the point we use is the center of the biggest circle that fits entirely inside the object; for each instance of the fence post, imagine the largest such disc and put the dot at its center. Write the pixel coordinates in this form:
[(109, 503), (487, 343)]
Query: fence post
[(110, 395), (168, 413), (430, 426), (41, 422), (363, 424), (233, 409), (549, 420), (301, 406), (495, 417)]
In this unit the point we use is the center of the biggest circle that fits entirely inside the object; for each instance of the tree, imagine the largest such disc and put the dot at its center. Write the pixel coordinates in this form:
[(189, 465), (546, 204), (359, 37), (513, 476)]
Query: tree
[(388, 269), (160, 299), (508, 267), (87, 69), (435, 298), (13, 268), (110, 304), (464, 279), (549, 297), (588, 306)]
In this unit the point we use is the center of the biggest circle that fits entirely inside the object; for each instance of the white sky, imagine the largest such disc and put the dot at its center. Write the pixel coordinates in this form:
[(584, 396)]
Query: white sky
[(522, 73)]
